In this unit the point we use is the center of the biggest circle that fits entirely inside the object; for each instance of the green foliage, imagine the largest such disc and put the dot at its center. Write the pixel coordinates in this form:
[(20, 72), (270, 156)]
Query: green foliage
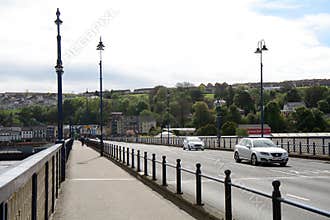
[(202, 115), (242, 132), (324, 106), (308, 120), (233, 114), (314, 94), (206, 130), (189, 106), (243, 100), (293, 96), (273, 117), (229, 128)]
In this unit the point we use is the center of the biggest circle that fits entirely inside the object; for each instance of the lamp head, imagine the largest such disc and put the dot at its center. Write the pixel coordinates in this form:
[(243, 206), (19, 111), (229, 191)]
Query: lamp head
[(100, 46), (258, 50), (264, 47)]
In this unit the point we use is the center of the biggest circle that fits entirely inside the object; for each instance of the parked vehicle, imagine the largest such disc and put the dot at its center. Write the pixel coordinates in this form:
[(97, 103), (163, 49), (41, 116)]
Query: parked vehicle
[(193, 143), (260, 150)]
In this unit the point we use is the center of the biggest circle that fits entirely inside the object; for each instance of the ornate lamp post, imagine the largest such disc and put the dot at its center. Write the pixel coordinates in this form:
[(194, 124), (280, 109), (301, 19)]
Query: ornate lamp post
[(168, 116), (260, 48), (218, 103), (59, 71), (100, 47)]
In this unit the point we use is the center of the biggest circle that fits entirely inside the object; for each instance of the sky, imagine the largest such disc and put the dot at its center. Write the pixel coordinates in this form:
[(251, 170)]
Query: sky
[(153, 42)]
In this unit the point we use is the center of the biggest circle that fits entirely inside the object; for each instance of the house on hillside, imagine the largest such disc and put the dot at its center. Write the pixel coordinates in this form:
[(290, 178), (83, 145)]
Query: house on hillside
[(290, 107)]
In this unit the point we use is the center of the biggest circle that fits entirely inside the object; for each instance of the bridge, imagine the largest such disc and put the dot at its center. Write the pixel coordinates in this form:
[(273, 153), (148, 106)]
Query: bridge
[(148, 181)]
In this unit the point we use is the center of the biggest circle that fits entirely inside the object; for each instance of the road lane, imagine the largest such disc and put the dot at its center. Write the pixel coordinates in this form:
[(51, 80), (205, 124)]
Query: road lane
[(305, 181)]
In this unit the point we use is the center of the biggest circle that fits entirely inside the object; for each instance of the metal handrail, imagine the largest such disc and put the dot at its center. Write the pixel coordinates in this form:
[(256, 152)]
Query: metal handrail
[(305, 207), (276, 198)]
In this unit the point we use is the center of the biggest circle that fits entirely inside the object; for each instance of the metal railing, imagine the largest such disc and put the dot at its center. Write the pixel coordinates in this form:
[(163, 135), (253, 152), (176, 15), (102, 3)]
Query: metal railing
[(38, 176), (127, 156), (309, 146)]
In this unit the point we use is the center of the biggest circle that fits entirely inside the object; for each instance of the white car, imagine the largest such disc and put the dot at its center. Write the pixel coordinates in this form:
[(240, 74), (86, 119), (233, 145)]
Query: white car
[(260, 150), (193, 143)]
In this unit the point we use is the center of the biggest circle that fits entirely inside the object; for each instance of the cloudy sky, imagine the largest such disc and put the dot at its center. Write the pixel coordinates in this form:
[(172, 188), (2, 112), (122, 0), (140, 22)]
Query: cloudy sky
[(154, 42)]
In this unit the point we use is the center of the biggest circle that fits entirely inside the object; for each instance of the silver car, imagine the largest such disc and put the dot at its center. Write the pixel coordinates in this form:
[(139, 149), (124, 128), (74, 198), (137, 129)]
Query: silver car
[(193, 143), (260, 150)]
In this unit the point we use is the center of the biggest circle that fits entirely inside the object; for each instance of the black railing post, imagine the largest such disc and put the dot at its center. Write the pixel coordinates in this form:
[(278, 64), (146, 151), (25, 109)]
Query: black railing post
[(138, 161), (3, 211), (63, 162), (127, 154), (133, 158), (178, 177), (300, 151), (124, 155), (228, 195), (329, 148), (164, 182), (288, 145), (46, 184), (308, 146), (34, 196), (323, 148), (313, 148), (119, 153), (198, 184), (275, 199), (53, 184), (153, 160), (145, 163)]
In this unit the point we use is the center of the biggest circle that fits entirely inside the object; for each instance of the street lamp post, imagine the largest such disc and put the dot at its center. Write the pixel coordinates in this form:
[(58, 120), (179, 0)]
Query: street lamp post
[(100, 47), (218, 103), (59, 71), (168, 116), (260, 48)]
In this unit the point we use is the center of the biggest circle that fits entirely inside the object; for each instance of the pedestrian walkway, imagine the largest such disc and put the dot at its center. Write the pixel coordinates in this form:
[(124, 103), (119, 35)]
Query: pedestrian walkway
[(97, 189)]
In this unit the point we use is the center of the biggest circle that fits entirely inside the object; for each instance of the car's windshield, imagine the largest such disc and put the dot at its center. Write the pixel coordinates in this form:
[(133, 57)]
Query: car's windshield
[(193, 139), (263, 143)]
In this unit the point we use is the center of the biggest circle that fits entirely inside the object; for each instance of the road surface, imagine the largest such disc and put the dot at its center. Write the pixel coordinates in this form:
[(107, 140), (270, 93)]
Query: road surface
[(302, 180)]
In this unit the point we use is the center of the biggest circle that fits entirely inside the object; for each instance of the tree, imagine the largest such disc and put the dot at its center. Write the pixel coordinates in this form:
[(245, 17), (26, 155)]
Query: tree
[(229, 128), (323, 106), (273, 117), (141, 105), (307, 120), (220, 90), (196, 94), (314, 94), (206, 130), (292, 96), (243, 100), (230, 95), (233, 114), (202, 115), (252, 119)]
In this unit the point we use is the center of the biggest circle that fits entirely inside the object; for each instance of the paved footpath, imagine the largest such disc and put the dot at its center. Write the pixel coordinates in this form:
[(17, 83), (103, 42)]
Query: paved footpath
[(97, 189)]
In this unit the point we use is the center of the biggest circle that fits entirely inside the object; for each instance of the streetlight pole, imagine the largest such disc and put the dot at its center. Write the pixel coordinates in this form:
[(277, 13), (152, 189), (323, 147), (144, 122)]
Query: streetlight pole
[(260, 48), (218, 103), (168, 116), (59, 71), (100, 47)]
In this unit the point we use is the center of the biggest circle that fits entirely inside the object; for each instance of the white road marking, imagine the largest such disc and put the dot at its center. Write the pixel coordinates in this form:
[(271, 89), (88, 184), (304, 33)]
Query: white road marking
[(102, 179), (280, 177), (298, 197)]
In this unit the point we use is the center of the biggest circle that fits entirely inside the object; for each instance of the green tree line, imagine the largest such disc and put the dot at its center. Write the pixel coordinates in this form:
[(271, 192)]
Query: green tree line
[(190, 106)]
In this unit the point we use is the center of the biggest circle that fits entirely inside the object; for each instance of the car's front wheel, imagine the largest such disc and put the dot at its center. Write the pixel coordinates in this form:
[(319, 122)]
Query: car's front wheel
[(254, 160), (283, 164), (236, 157)]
